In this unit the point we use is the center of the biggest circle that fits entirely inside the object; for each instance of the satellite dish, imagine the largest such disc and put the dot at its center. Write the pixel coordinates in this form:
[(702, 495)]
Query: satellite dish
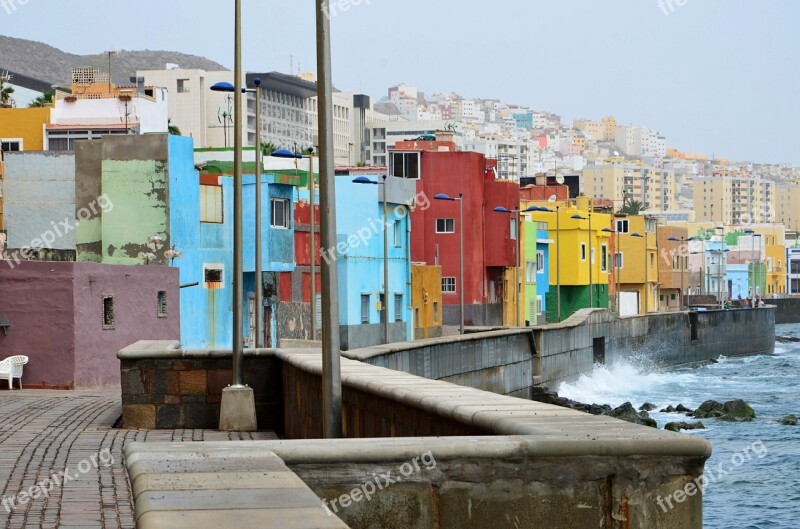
[(616, 153), (560, 179), (552, 199)]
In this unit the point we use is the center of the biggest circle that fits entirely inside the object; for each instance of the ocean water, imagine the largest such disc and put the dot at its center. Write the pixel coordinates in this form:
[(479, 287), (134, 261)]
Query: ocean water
[(754, 472)]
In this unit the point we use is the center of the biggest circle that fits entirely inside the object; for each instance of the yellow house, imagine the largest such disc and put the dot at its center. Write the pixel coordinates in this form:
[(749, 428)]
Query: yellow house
[(426, 300), (638, 257), (580, 258), (22, 129), (775, 255)]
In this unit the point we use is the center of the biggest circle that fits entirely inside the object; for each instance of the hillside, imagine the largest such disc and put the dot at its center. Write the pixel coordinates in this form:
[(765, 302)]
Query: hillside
[(46, 63)]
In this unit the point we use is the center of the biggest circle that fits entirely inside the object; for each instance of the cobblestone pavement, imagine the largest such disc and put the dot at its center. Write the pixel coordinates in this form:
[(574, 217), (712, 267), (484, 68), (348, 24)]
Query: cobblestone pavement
[(51, 433)]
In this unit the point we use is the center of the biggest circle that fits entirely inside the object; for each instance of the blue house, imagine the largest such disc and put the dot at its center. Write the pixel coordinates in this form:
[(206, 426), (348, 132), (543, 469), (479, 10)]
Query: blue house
[(738, 279), (360, 256), (543, 243)]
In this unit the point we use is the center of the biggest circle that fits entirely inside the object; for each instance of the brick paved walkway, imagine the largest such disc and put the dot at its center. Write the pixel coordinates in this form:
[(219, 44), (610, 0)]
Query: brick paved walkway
[(42, 433)]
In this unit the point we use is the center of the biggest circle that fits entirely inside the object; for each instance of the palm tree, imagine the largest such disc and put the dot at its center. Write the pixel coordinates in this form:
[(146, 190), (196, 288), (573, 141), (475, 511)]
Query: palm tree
[(632, 207), (173, 129), (44, 100), (6, 101), (268, 148)]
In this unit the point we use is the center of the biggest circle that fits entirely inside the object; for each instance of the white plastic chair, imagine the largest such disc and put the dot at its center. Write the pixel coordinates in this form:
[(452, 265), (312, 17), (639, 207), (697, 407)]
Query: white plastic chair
[(11, 368)]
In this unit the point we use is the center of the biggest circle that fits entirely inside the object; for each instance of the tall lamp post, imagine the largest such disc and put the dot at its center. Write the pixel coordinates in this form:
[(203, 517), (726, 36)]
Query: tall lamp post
[(237, 408), (331, 352), (616, 262), (591, 294), (385, 304), (286, 153), (258, 342), (558, 252), (517, 246), (460, 200)]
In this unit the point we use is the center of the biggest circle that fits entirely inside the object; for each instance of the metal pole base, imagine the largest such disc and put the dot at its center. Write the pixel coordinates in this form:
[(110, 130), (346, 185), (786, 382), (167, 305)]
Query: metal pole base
[(237, 412)]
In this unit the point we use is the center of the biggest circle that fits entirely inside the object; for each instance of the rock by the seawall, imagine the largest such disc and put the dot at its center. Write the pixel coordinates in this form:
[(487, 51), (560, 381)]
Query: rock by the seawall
[(678, 426), (627, 412), (733, 410), (789, 420), (681, 408), (647, 406)]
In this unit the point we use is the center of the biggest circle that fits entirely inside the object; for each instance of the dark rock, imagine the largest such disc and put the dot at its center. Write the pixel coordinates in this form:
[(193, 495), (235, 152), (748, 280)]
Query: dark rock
[(705, 410), (627, 412), (599, 409), (647, 406), (547, 397), (739, 409), (789, 420), (683, 409), (678, 426), (668, 409)]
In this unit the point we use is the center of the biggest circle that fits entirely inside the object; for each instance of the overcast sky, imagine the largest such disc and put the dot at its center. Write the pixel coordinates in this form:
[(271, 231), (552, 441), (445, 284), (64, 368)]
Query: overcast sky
[(715, 76)]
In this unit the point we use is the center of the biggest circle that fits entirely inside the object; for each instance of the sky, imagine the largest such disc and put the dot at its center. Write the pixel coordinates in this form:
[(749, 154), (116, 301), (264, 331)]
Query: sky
[(715, 76)]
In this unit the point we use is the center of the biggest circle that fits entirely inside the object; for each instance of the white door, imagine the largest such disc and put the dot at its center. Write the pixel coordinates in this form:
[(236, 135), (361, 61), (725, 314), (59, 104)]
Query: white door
[(628, 303)]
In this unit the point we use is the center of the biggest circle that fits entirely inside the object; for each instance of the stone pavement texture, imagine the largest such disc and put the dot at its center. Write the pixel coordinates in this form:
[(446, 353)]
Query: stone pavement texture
[(66, 441)]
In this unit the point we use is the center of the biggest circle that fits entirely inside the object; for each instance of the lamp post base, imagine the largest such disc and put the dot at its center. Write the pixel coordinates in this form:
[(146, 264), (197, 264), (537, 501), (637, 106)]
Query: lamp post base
[(237, 411)]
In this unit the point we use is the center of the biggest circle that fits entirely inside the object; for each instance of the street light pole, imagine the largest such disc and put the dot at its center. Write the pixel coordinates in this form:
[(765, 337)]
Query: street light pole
[(237, 407), (313, 257), (331, 362), (385, 265), (591, 262), (259, 301)]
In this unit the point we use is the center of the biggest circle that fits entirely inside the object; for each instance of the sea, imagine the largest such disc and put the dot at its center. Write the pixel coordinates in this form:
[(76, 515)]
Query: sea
[(753, 476)]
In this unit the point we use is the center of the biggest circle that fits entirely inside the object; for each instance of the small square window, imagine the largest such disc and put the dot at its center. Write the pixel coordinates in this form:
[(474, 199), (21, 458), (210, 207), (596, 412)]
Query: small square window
[(448, 284), (213, 275), (162, 303), (364, 308), (445, 226), (109, 317)]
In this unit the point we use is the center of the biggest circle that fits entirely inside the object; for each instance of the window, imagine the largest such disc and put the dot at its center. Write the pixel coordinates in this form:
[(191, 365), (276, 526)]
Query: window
[(364, 308), (603, 258), (398, 307), (445, 226), (540, 261), (620, 261), (109, 318), (11, 145), (213, 275), (583, 251), (622, 226), (404, 165), (211, 207), (183, 86), (280, 213), (162, 303), (448, 284), (398, 234), (435, 312), (513, 229), (530, 272)]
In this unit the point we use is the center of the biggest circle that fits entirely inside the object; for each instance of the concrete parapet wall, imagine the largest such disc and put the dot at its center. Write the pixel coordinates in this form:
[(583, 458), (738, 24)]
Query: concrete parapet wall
[(788, 309), (533, 464), (165, 387)]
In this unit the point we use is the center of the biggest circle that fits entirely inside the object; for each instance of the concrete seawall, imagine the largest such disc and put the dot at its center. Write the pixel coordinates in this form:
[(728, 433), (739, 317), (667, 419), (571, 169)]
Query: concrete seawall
[(511, 361)]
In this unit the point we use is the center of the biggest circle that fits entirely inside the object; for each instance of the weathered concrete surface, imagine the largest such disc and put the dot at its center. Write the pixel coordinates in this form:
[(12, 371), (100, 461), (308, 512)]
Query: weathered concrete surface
[(526, 464), (788, 310)]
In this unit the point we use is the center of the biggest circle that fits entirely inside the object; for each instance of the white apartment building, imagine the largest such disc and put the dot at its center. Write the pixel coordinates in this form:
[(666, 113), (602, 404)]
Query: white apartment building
[(384, 134), (194, 108), (641, 141), (514, 158)]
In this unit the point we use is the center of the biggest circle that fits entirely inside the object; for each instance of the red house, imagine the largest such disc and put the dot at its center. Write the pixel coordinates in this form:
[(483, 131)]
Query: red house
[(488, 244)]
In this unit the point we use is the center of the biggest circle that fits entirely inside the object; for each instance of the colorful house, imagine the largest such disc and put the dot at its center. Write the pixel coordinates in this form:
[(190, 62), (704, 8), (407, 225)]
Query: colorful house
[(361, 225), (537, 271), (426, 300), (490, 244), (639, 268)]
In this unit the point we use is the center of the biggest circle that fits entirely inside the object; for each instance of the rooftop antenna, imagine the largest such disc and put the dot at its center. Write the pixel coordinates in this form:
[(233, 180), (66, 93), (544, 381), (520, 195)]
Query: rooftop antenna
[(291, 64), (110, 53)]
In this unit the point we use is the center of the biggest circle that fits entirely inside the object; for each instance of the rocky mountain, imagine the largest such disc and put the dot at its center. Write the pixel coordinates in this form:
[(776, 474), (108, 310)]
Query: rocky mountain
[(49, 64)]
